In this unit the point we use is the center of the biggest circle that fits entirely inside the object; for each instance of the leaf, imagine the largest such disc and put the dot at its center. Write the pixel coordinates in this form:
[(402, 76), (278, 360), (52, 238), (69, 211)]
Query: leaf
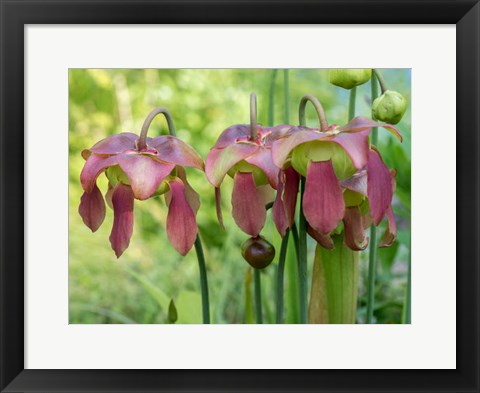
[(189, 307)]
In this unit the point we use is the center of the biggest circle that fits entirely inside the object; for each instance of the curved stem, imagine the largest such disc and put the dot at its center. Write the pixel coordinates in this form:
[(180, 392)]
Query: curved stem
[(271, 99), (253, 117), (258, 295), (286, 95), (351, 103), (318, 107), (302, 258), (280, 274), (142, 140), (203, 280), (380, 78)]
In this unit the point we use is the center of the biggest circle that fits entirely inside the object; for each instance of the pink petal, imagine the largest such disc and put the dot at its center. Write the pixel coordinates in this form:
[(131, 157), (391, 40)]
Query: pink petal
[(92, 168), (233, 134), (175, 151), (363, 123), (356, 146), (248, 209), (262, 159), (355, 238), (115, 144), (391, 232), (108, 196), (192, 196), (92, 208), (181, 225), (324, 240), (274, 133), (122, 200), (144, 173), (279, 213), (220, 161), (379, 186), (357, 183), (218, 206), (323, 203), (283, 211)]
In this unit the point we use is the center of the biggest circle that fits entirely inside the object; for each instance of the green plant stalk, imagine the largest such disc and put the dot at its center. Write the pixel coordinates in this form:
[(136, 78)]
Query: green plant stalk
[(383, 85), (203, 280), (258, 295), (408, 294), (280, 274), (271, 98), (302, 258), (351, 103), (286, 95), (333, 298), (372, 246)]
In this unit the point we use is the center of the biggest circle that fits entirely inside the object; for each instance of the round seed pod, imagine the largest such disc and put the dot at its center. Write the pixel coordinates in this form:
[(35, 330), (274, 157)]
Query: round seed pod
[(258, 252)]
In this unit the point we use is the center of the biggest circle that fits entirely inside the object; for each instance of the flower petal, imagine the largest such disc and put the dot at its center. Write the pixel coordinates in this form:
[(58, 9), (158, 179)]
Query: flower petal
[(92, 208), (379, 186), (248, 209), (193, 197), (357, 183), (218, 206), (176, 151), (122, 200), (323, 203), (181, 225), (220, 161), (262, 159), (391, 232), (92, 168), (274, 133), (115, 144), (355, 238), (144, 173), (355, 145), (324, 240), (233, 134), (283, 211), (363, 123)]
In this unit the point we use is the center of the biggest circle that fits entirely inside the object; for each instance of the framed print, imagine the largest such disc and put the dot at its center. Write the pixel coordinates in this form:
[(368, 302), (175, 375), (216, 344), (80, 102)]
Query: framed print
[(239, 196)]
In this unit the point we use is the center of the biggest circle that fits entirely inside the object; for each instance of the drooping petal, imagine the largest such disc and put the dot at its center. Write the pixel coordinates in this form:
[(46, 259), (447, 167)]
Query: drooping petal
[(181, 225), (283, 212), (324, 240), (92, 168), (323, 203), (144, 173), (108, 196), (220, 161), (391, 232), (176, 151), (233, 134), (192, 196), (357, 183), (218, 206), (355, 238), (362, 123), (92, 208), (248, 209), (262, 159), (355, 145), (279, 213), (379, 186), (115, 144), (122, 200)]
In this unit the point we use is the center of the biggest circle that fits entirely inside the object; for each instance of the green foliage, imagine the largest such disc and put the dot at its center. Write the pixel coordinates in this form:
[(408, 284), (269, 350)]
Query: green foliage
[(138, 287)]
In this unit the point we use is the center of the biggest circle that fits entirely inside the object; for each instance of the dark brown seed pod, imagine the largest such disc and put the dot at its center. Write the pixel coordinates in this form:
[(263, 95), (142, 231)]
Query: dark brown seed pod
[(258, 252)]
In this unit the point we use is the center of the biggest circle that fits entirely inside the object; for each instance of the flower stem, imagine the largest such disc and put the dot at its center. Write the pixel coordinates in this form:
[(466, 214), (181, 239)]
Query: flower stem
[(253, 117), (351, 103), (142, 140), (280, 271), (258, 295), (271, 99), (203, 280), (408, 295), (286, 94), (376, 72), (302, 258), (372, 257), (318, 107)]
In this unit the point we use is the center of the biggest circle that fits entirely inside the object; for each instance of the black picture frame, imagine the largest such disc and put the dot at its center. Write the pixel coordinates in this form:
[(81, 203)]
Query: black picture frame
[(15, 14)]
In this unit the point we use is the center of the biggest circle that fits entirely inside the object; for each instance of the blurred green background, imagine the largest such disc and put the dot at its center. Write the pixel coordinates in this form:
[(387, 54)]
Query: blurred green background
[(138, 287)]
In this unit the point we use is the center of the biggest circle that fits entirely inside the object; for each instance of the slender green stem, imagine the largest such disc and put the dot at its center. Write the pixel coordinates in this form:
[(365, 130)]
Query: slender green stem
[(295, 238), (203, 280), (286, 94), (372, 258), (318, 107), (253, 117), (302, 259), (408, 297), (271, 99), (258, 295), (351, 103), (280, 271), (381, 80)]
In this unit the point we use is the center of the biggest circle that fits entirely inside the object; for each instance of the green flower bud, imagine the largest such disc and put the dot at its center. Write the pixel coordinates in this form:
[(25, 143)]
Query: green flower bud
[(389, 107), (172, 312), (322, 151), (258, 252), (243, 166), (348, 78)]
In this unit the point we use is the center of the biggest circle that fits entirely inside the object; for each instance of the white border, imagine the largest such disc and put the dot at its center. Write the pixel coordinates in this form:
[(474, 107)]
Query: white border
[(428, 343)]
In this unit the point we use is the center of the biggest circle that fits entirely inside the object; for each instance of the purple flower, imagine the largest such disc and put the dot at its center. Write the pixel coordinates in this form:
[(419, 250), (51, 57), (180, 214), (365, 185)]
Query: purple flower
[(140, 172)]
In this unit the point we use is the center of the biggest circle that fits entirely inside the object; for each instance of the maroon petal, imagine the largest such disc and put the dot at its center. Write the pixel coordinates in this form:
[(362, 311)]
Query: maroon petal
[(181, 225), (379, 186), (233, 134), (92, 208), (262, 159), (122, 200), (92, 168), (279, 213), (363, 123), (115, 144), (355, 238), (218, 206), (323, 203), (356, 146), (192, 196), (357, 183), (283, 211), (324, 240), (391, 232), (175, 151), (108, 196), (144, 173), (220, 161), (248, 209)]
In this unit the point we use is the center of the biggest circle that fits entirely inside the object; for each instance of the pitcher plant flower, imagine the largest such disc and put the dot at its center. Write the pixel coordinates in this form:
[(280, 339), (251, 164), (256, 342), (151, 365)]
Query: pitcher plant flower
[(138, 167), (336, 162)]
